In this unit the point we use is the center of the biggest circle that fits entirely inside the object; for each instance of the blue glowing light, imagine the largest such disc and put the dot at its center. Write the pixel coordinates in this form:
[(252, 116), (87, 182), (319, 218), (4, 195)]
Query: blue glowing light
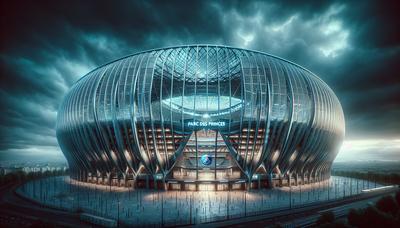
[(206, 159)]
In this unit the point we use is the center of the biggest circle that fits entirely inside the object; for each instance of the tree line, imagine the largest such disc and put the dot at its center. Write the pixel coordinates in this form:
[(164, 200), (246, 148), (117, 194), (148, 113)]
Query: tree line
[(384, 213), (21, 176), (382, 178)]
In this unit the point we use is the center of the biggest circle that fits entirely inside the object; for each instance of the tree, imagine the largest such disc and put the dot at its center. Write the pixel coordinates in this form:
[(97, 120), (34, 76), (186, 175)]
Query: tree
[(398, 198), (355, 218), (277, 225), (387, 204), (376, 218), (42, 224), (326, 218), (336, 224)]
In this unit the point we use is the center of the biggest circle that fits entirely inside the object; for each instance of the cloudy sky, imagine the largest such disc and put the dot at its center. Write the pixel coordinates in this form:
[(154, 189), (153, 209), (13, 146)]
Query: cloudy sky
[(46, 46)]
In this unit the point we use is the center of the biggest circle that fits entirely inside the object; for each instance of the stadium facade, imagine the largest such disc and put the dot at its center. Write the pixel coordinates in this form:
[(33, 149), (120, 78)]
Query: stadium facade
[(200, 117)]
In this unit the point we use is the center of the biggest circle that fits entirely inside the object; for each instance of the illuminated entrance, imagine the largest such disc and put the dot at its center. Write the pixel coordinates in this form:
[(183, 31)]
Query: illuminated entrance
[(206, 161)]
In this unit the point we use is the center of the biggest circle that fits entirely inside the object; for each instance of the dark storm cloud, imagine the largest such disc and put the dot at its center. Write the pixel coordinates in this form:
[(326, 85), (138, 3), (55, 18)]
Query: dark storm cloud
[(353, 46), (47, 45)]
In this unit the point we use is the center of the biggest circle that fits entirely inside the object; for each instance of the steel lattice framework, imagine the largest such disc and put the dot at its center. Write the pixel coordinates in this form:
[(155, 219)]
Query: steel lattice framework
[(136, 114)]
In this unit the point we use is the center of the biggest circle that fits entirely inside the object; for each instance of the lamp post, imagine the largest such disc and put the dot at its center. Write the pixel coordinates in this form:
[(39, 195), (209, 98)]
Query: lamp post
[(300, 194), (329, 181), (162, 210), (227, 203), (245, 203), (357, 186), (344, 189), (118, 214), (336, 181), (290, 197), (351, 186), (190, 209)]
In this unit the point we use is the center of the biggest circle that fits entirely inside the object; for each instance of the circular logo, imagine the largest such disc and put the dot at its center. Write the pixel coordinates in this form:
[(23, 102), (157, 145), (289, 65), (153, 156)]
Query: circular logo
[(206, 159)]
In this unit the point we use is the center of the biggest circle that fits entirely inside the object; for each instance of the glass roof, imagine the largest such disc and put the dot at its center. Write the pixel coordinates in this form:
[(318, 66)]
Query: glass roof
[(203, 105), (199, 64)]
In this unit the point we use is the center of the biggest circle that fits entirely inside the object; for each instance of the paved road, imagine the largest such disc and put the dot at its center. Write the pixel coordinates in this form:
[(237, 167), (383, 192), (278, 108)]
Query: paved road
[(303, 216), (18, 212)]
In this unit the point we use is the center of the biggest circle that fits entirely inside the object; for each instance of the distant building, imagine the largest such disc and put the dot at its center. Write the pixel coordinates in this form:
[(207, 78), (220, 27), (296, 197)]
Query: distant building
[(200, 117), (7, 170)]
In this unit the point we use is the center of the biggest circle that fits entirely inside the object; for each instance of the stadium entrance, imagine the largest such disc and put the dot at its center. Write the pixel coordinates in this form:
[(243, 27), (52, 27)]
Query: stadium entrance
[(206, 162)]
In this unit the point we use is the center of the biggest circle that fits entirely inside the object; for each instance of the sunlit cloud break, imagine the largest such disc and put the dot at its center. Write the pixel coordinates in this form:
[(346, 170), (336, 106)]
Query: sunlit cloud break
[(369, 150)]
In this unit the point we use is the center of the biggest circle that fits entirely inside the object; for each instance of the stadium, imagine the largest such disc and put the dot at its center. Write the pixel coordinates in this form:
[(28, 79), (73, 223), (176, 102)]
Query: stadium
[(200, 117)]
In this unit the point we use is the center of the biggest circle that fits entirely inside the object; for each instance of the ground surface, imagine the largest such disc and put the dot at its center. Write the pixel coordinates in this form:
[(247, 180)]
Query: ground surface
[(146, 207), (305, 215), (18, 212)]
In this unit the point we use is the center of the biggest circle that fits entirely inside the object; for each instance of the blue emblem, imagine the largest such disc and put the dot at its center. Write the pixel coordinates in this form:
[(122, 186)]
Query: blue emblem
[(206, 159)]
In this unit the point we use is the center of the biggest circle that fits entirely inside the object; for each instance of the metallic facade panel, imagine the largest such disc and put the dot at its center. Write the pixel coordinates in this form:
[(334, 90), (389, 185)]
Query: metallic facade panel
[(136, 114)]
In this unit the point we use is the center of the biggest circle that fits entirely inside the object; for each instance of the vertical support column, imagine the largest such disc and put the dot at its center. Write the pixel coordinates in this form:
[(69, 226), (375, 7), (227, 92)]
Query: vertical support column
[(147, 182), (135, 182), (108, 178), (270, 183), (215, 153), (155, 182), (216, 132), (197, 156), (164, 184)]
